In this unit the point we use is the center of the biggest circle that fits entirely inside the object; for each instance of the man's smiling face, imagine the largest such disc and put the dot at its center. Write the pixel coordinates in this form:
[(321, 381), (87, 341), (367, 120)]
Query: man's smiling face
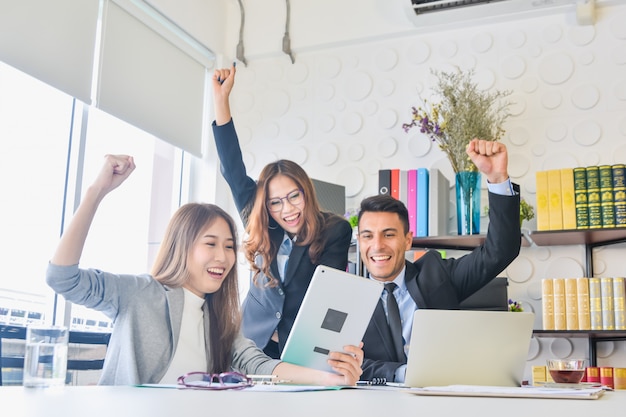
[(382, 244)]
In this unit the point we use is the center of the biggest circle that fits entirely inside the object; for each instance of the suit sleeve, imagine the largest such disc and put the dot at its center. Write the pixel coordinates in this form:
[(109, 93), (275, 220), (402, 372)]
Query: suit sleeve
[(502, 245), (335, 253), (379, 369), (242, 187)]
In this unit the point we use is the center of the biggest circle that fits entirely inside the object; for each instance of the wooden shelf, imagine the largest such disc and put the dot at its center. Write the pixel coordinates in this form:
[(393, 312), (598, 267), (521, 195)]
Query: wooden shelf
[(459, 242), (593, 337), (593, 237)]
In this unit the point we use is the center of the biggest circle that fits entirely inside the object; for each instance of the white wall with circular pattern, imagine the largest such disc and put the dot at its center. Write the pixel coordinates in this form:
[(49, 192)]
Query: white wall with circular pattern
[(338, 112)]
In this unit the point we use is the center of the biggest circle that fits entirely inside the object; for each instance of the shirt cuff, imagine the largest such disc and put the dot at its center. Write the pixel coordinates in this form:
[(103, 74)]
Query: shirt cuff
[(502, 188), (400, 374)]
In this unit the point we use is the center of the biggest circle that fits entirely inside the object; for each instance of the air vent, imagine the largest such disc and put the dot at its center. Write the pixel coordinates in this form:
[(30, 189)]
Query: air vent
[(425, 6), (456, 13)]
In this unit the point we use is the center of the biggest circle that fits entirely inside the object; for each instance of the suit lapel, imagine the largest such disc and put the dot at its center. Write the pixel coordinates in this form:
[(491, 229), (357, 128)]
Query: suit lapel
[(410, 279)]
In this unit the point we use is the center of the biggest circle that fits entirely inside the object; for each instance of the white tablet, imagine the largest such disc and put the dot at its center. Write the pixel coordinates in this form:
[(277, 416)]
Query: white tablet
[(335, 312)]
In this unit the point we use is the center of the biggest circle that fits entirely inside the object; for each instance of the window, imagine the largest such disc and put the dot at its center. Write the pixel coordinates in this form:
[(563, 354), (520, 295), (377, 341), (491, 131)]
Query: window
[(45, 165)]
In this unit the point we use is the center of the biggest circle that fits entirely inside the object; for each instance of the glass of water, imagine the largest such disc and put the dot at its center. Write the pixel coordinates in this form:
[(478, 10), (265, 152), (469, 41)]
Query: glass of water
[(45, 359)]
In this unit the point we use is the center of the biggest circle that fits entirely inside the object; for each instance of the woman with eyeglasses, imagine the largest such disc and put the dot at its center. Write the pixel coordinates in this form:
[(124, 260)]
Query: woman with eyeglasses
[(288, 235), (183, 319)]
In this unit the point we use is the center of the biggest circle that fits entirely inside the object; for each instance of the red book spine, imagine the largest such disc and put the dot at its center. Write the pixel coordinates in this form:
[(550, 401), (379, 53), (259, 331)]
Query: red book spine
[(395, 183)]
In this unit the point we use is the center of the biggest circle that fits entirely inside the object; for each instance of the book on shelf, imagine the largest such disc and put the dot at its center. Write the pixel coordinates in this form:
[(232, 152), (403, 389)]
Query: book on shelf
[(403, 186), (584, 316), (608, 316), (547, 303), (422, 202), (412, 200), (607, 204), (543, 212), (568, 199), (395, 183), (619, 302), (560, 318), (595, 303), (384, 181), (554, 199), (571, 304), (619, 194), (439, 203), (580, 197), (593, 197)]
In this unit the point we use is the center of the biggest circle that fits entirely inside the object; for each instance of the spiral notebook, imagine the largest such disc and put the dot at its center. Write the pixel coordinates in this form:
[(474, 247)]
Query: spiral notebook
[(335, 312)]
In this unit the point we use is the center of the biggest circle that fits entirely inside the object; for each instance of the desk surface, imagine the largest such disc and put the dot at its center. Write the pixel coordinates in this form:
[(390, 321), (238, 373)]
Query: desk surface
[(100, 401)]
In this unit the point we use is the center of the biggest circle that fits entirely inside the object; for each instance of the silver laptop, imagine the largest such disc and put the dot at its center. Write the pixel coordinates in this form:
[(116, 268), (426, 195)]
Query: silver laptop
[(462, 347), (335, 312)]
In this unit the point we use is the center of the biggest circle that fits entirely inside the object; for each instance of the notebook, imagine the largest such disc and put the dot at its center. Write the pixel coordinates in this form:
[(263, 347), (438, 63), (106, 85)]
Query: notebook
[(335, 312), (462, 347)]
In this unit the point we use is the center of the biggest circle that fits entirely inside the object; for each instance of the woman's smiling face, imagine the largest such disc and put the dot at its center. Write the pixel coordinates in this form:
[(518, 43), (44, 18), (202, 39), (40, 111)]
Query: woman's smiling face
[(288, 215), (211, 258)]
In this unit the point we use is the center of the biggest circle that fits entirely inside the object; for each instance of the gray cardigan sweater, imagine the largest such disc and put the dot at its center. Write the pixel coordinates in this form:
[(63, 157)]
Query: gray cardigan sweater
[(147, 316)]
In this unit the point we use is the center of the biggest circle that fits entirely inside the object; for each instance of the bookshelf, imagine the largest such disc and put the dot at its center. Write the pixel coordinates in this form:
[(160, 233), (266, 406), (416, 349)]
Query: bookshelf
[(591, 238), (592, 336)]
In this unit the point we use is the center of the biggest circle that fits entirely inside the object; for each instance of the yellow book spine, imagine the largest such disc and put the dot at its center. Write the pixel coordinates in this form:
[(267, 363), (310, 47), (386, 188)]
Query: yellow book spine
[(543, 213), (554, 199), (568, 200), (547, 302), (539, 375), (595, 303), (584, 315), (571, 304), (619, 302), (608, 317), (560, 321)]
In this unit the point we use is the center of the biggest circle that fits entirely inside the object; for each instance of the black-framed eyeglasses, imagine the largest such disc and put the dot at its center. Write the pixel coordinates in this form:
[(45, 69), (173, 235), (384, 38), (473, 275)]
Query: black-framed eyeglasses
[(223, 381), (295, 198)]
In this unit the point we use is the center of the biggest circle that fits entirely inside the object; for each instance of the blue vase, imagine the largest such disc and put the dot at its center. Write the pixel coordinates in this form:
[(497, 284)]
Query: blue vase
[(468, 202)]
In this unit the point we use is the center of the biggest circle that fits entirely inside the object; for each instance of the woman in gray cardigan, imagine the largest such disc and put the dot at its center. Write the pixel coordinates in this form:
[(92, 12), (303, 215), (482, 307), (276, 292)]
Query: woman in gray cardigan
[(184, 317)]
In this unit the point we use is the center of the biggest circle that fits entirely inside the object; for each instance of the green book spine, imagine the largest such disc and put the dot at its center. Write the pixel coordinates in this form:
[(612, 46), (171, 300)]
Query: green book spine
[(607, 205), (593, 197), (619, 194), (580, 196)]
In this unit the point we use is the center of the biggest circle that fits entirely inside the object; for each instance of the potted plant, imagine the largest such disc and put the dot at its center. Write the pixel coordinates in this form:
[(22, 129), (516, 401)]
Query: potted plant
[(459, 112)]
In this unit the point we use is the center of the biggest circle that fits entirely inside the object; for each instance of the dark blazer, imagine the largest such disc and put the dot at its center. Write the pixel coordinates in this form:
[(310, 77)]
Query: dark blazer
[(268, 309), (439, 283)]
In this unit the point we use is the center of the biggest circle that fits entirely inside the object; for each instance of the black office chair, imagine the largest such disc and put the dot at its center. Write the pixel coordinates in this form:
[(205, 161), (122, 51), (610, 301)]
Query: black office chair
[(491, 297), (86, 351)]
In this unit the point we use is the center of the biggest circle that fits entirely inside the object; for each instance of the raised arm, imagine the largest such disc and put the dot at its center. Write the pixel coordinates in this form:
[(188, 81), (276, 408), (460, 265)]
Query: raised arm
[(223, 81), (115, 170)]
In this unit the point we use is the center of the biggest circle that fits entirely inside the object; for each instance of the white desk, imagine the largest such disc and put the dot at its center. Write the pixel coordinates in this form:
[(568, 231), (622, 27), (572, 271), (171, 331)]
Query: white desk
[(97, 401)]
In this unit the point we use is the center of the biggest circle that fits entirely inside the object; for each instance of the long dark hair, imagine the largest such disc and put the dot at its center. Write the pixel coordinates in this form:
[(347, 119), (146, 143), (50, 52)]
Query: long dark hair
[(170, 268)]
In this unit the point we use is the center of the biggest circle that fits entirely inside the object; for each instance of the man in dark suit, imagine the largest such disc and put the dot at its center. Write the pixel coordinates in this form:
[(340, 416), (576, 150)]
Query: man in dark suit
[(431, 282)]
